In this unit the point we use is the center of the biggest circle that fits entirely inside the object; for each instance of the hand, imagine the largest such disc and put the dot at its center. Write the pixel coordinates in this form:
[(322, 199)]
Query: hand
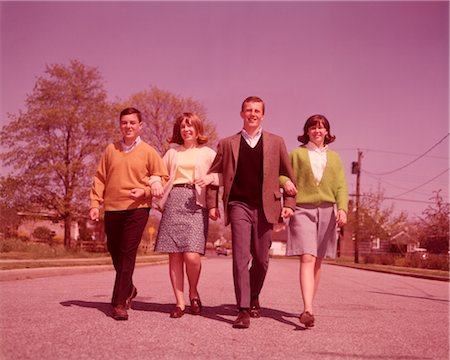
[(341, 218), (205, 180), (137, 193), (214, 214), (94, 214), (157, 189), (290, 188), (287, 212)]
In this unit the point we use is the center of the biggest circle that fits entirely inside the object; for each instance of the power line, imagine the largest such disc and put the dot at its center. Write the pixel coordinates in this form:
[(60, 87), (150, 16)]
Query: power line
[(417, 187), (406, 200), (409, 163), (390, 152), (391, 184)]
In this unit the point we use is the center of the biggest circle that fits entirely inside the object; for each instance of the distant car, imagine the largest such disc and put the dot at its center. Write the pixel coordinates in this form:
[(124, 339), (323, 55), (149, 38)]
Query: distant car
[(222, 251), (421, 253)]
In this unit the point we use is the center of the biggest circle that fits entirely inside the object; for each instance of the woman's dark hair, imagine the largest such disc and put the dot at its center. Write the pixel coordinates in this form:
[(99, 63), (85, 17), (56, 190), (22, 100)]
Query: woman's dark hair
[(129, 111), (313, 121), (191, 119)]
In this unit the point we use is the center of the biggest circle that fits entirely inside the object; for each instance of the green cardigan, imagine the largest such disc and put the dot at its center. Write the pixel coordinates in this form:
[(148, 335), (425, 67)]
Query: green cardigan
[(332, 188)]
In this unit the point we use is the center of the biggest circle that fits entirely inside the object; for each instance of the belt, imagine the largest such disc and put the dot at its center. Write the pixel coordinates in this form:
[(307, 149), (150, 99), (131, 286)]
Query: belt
[(187, 186)]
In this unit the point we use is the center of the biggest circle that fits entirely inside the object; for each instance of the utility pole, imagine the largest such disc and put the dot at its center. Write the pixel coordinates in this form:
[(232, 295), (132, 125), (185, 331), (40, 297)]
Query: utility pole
[(356, 169)]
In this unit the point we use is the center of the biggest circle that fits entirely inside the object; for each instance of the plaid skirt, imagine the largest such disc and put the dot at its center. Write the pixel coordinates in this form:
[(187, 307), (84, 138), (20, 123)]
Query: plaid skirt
[(312, 230), (184, 224)]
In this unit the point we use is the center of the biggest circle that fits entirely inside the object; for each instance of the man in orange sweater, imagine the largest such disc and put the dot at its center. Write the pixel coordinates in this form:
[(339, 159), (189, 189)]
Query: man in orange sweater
[(130, 173)]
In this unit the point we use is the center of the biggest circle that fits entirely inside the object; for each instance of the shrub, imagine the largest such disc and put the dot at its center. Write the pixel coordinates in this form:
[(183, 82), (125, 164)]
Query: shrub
[(43, 233), (382, 259)]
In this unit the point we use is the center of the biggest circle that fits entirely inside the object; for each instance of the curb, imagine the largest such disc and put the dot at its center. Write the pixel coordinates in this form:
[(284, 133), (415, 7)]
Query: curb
[(387, 271), (33, 273)]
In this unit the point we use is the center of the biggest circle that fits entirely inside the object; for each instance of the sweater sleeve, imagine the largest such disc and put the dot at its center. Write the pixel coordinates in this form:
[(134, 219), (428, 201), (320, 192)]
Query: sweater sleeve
[(96, 195), (156, 168), (341, 191)]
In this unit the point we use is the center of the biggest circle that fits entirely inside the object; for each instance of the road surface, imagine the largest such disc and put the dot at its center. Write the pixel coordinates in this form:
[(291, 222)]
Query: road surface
[(359, 315)]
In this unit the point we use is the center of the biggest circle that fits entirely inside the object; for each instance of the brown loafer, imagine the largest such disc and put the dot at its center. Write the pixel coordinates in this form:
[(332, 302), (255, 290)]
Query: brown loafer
[(177, 313), (307, 319), (255, 309), (120, 313), (131, 297), (242, 321), (196, 306)]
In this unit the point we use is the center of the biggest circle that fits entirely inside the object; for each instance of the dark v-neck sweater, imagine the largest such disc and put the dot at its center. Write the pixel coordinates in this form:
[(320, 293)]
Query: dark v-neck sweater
[(247, 184)]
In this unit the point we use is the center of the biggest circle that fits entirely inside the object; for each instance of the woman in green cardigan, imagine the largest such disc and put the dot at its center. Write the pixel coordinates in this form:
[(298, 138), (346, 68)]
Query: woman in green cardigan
[(322, 200)]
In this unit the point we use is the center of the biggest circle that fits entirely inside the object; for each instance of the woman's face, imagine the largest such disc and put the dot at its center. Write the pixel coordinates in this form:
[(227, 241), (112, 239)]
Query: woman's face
[(317, 134), (188, 132)]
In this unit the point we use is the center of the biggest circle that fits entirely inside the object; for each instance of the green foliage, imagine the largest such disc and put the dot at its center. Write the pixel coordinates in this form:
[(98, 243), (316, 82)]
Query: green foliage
[(43, 233), (159, 109), (376, 220), (13, 248), (9, 220), (54, 146), (433, 227), (382, 259), (415, 260)]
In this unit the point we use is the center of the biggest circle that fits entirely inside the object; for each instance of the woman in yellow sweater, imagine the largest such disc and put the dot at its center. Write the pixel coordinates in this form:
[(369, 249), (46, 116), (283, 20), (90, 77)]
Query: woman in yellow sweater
[(183, 229), (322, 201)]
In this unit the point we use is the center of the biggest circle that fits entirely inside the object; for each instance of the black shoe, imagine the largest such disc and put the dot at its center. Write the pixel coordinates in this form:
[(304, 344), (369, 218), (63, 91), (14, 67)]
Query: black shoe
[(120, 313), (177, 313), (196, 306), (130, 297), (255, 309), (243, 320), (307, 319)]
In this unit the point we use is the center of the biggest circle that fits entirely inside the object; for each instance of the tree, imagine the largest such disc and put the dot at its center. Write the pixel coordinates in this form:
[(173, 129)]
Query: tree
[(54, 145), (159, 109), (377, 221), (433, 228), (9, 205)]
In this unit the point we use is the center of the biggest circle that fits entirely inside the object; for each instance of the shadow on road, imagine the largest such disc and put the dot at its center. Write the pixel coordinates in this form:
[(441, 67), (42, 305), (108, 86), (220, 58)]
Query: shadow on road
[(104, 307), (218, 313), (282, 317)]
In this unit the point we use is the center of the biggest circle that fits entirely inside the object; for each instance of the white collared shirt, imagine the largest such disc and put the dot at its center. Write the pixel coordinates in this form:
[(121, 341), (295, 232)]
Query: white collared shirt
[(128, 148), (252, 140), (318, 160)]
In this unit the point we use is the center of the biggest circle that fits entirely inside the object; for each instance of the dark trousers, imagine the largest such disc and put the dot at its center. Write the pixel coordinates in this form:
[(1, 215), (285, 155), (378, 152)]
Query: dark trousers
[(124, 232), (251, 240)]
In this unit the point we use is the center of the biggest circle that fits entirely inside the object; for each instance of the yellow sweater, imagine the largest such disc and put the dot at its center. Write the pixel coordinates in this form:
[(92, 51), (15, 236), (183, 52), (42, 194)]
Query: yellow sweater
[(119, 172)]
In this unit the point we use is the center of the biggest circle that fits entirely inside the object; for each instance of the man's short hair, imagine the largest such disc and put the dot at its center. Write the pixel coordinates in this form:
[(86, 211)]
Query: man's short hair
[(252, 99), (129, 111)]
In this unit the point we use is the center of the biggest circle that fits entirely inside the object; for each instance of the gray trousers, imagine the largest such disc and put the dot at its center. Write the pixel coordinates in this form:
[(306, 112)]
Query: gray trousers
[(251, 240)]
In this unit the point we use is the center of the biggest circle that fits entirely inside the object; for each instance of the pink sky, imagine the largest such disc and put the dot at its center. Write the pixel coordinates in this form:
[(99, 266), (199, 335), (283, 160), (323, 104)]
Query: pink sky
[(378, 70)]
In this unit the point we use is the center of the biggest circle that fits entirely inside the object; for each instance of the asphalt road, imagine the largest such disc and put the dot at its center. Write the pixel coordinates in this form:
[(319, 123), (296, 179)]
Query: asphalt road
[(359, 315)]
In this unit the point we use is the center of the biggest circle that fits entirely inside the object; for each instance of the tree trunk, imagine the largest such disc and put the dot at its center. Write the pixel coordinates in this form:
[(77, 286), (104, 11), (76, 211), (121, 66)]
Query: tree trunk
[(67, 224)]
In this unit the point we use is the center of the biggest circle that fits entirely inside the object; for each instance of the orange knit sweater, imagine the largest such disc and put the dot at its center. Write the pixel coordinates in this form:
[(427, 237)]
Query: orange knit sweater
[(119, 172)]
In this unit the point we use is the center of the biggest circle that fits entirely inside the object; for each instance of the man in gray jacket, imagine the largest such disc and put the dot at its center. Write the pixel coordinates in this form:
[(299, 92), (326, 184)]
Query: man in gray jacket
[(250, 163)]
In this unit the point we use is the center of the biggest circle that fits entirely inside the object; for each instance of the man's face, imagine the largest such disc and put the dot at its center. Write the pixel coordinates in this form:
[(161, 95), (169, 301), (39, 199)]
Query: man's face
[(130, 128), (252, 115)]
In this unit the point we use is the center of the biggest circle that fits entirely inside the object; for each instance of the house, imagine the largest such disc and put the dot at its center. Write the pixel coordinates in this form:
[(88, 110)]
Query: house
[(29, 221), (404, 242), (85, 234)]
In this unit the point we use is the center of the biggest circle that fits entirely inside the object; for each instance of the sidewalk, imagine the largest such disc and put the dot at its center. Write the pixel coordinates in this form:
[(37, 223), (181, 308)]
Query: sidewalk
[(68, 266), (40, 267)]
